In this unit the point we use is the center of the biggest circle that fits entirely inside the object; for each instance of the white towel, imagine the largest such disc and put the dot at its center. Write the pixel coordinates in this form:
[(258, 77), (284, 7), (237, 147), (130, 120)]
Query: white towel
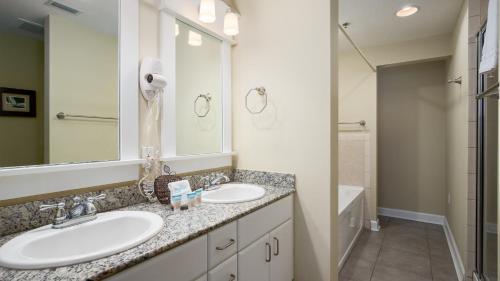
[(489, 59)]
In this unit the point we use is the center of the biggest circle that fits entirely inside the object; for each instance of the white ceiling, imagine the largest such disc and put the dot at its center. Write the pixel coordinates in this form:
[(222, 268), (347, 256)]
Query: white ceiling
[(101, 15), (374, 23)]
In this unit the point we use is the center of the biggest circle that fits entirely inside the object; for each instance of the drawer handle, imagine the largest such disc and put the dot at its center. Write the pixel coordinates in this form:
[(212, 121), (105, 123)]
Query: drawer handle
[(232, 277), (268, 252), (277, 252), (229, 244)]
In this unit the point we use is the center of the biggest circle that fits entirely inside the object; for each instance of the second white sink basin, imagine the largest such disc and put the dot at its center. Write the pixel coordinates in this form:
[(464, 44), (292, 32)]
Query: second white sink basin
[(233, 193), (110, 233)]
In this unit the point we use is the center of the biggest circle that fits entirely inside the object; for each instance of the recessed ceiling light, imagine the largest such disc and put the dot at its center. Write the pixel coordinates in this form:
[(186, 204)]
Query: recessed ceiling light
[(407, 11)]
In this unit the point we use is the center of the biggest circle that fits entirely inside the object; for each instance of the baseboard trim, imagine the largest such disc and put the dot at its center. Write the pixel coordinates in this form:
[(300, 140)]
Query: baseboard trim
[(410, 215), (455, 254)]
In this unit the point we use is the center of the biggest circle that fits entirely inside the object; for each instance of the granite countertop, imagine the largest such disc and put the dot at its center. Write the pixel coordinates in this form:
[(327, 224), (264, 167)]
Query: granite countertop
[(179, 228)]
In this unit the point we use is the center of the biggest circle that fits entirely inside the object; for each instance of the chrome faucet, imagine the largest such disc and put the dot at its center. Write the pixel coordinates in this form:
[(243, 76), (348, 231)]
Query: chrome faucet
[(214, 182), (80, 212)]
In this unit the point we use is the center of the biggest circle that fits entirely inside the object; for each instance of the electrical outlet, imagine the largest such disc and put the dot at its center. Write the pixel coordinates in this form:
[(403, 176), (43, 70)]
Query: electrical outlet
[(147, 151)]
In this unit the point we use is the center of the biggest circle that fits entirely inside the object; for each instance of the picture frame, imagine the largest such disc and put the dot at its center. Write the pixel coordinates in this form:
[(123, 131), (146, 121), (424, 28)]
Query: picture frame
[(17, 102)]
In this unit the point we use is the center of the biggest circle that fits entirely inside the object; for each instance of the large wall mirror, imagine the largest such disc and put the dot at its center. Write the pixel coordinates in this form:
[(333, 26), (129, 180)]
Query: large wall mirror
[(59, 80), (198, 76)]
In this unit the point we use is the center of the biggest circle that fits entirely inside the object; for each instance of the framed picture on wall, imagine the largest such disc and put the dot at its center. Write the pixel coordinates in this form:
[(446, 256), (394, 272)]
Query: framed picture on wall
[(17, 102)]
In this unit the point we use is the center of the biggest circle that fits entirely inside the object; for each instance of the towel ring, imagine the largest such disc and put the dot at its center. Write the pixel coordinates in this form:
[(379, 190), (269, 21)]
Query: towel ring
[(207, 99), (262, 92)]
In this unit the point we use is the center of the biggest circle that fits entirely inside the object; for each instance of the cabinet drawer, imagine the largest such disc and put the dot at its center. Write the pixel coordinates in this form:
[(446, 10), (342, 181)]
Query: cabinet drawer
[(226, 271), (260, 222), (184, 263), (222, 243)]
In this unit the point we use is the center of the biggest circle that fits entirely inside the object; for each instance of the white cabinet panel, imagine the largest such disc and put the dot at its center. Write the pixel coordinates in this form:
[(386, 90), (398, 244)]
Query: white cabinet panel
[(222, 243), (226, 271), (282, 252), (202, 278), (260, 222), (254, 261), (184, 263)]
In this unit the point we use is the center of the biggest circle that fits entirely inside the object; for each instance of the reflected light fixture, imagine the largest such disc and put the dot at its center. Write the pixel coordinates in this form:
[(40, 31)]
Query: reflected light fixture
[(176, 30), (231, 25), (407, 11), (194, 38), (207, 11)]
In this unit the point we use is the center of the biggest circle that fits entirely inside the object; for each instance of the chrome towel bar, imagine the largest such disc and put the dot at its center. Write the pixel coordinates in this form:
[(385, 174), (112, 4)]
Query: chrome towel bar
[(62, 116)]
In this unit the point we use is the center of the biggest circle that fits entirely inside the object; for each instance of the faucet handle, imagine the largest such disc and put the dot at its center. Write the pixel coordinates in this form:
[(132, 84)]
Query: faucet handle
[(59, 205), (91, 209), (61, 212), (95, 198)]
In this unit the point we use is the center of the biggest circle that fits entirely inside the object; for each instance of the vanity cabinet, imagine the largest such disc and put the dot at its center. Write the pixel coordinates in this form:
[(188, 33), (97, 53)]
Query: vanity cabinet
[(258, 246), (270, 258)]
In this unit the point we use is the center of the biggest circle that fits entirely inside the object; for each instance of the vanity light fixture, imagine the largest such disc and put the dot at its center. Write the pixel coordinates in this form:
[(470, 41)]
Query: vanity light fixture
[(407, 11), (207, 11), (231, 25), (176, 30), (194, 38)]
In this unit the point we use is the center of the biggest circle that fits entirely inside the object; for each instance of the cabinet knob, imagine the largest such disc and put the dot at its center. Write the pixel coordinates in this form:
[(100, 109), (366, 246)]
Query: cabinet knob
[(232, 277)]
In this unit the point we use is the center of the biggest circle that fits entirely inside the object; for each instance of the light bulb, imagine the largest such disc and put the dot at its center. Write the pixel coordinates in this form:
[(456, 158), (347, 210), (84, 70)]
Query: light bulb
[(407, 11), (194, 38), (231, 25), (207, 11)]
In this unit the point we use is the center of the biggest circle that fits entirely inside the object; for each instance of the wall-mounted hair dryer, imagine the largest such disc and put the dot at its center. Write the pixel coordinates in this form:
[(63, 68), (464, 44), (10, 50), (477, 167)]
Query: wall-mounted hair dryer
[(152, 82)]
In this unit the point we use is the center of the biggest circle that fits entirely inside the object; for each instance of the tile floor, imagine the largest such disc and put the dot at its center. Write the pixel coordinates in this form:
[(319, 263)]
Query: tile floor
[(402, 251)]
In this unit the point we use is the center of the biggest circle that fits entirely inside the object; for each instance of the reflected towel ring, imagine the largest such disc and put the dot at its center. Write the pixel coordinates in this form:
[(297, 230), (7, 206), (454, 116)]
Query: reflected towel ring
[(262, 92), (207, 99)]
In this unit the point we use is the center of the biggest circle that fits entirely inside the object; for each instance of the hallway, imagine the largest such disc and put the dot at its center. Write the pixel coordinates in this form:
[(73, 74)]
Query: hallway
[(402, 251)]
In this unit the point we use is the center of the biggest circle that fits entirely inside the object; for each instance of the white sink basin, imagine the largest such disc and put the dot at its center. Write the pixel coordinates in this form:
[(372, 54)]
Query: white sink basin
[(110, 233), (233, 193)]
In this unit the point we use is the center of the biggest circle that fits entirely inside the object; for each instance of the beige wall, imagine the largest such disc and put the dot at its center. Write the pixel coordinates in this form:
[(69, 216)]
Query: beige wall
[(83, 79), (21, 141), (291, 59), (358, 88), (456, 134), (411, 137), (198, 71)]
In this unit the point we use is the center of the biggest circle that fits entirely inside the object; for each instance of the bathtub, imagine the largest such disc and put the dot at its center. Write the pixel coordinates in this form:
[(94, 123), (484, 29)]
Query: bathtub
[(350, 221)]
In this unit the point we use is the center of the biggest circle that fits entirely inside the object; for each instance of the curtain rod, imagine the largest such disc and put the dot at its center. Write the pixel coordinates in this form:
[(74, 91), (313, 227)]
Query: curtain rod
[(356, 48)]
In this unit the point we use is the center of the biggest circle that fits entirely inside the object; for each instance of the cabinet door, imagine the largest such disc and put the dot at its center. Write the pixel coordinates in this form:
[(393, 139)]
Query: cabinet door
[(254, 261), (282, 252)]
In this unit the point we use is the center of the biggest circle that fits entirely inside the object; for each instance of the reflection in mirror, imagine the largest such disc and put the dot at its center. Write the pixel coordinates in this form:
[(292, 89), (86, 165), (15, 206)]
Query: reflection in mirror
[(198, 91), (58, 77)]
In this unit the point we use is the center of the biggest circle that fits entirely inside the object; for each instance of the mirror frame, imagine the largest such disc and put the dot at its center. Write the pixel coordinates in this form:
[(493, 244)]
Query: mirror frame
[(170, 11), (26, 181)]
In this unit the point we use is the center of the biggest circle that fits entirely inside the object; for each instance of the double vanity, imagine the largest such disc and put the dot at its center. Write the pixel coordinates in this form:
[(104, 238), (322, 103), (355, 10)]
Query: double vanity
[(244, 233)]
